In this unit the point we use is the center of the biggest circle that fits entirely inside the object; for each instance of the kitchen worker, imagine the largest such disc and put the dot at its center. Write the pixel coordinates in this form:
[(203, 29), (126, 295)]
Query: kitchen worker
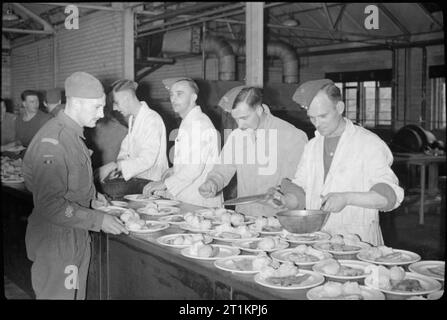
[(345, 169), (8, 126), (53, 101), (57, 170), (275, 148), (143, 150), (196, 148), (31, 120)]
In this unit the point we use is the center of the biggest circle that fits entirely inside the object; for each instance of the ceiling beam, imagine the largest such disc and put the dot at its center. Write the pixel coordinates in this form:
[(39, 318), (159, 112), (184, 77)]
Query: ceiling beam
[(328, 15), (46, 25), (81, 5), (394, 20), (291, 32), (429, 15), (27, 31), (337, 22)]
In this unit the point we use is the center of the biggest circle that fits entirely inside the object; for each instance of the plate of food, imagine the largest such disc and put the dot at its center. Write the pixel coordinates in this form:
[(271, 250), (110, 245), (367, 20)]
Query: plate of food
[(301, 255), (344, 291), (166, 202), (266, 244), (396, 281), (305, 238), (140, 197), (202, 251), (173, 219), (342, 244), (342, 269), (234, 235), (435, 295), (388, 256), (267, 225), (12, 179), (147, 227), (113, 210), (289, 277), (183, 240), (244, 264), (116, 203), (160, 211), (429, 268)]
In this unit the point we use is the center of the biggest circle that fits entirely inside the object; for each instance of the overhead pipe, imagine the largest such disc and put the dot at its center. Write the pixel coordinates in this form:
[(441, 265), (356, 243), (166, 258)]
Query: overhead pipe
[(278, 49), (46, 26), (227, 60)]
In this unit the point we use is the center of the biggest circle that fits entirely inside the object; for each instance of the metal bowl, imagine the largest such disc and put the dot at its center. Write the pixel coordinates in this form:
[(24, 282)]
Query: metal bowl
[(302, 221), (118, 188)]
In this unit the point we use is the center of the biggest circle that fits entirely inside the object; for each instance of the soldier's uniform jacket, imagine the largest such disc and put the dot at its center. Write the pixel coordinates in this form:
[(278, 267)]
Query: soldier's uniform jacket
[(57, 170)]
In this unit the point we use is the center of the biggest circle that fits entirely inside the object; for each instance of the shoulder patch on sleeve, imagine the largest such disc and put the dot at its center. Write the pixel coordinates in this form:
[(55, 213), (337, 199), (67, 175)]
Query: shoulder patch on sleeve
[(50, 140)]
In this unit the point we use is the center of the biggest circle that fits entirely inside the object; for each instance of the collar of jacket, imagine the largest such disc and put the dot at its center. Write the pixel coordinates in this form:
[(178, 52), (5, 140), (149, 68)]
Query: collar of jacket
[(70, 124), (349, 129), (192, 113)]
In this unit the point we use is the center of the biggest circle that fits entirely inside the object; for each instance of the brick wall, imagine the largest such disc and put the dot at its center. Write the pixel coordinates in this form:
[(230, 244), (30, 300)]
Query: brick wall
[(96, 47)]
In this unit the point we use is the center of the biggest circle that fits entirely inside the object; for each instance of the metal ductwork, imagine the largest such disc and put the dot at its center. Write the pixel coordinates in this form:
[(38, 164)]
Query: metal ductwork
[(278, 49), (227, 60), (188, 41)]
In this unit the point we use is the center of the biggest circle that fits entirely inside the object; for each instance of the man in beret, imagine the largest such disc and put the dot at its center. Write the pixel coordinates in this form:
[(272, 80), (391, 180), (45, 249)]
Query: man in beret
[(57, 170), (53, 101), (143, 150), (272, 151), (196, 148), (345, 169)]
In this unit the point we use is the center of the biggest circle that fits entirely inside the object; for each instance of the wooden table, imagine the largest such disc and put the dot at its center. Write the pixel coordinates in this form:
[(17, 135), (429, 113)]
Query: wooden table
[(423, 161)]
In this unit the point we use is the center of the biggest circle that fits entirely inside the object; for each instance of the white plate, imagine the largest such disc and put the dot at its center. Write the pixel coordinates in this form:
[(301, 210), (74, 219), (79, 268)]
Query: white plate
[(282, 256), (360, 245), (306, 238), (224, 252), (314, 280), (123, 204), (243, 245), (349, 263), (107, 209), (367, 293), (166, 203), (15, 149), (411, 257), (162, 211), (430, 285), (435, 295), (163, 240), (170, 219), (156, 226), (252, 228), (227, 265), (6, 180), (187, 227), (134, 197), (422, 267), (218, 236)]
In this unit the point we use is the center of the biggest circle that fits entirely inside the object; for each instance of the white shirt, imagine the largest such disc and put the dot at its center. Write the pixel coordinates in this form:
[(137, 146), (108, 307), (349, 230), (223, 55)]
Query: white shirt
[(196, 150), (361, 160), (143, 149)]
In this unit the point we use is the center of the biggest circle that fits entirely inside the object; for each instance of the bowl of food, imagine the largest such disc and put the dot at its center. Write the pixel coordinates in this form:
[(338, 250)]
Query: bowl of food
[(117, 188), (302, 221)]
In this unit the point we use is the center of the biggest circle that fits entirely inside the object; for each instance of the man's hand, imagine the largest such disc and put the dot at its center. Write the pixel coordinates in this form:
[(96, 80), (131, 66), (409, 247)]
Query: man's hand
[(208, 189), (151, 187), (106, 169), (279, 200), (334, 201), (100, 201), (113, 225)]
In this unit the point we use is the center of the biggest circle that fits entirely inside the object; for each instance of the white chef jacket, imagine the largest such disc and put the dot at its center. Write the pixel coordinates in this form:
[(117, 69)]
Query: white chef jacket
[(143, 149), (196, 151), (361, 160)]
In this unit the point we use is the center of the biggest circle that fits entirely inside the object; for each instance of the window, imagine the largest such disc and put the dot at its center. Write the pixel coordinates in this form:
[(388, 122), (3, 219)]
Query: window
[(437, 110), (367, 102)]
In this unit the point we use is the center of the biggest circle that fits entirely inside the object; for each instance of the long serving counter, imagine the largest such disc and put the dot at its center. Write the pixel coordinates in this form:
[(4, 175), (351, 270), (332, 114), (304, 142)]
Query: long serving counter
[(137, 267)]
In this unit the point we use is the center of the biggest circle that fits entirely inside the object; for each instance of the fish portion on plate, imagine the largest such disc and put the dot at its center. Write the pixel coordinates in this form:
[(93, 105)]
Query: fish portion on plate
[(387, 255), (227, 232), (267, 244), (266, 225), (344, 291), (301, 255), (342, 269)]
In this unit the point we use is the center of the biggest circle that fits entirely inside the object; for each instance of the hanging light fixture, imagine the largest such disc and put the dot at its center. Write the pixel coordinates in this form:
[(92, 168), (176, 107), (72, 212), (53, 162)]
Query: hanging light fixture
[(9, 15)]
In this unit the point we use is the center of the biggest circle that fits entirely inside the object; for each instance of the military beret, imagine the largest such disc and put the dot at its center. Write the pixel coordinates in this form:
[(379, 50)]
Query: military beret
[(168, 83), (54, 95), (308, 90), (227, 101), (83, 85)]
